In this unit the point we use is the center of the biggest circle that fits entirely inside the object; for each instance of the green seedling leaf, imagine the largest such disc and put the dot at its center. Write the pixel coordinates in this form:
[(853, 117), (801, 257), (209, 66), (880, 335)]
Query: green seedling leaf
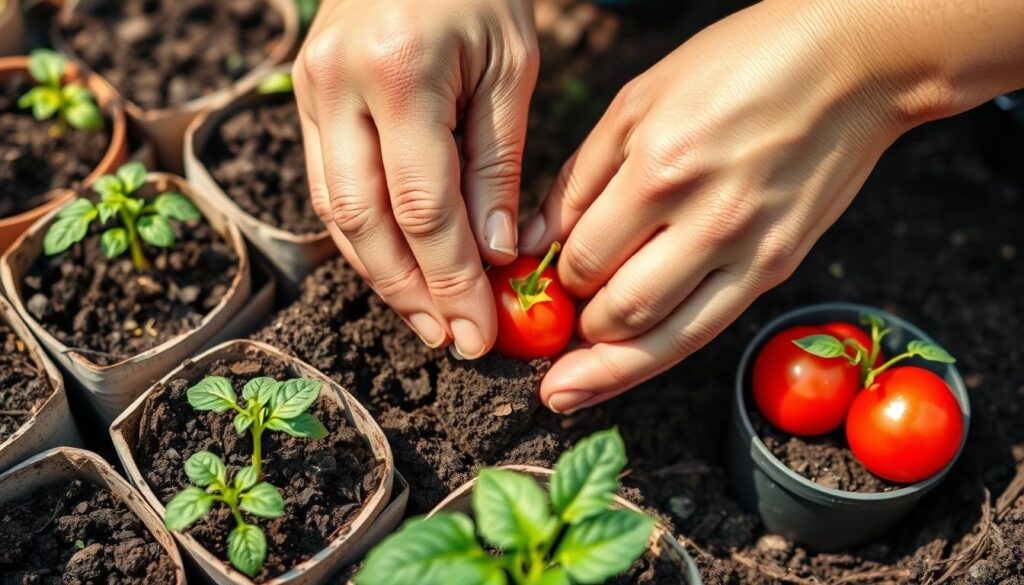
[(604, 545), (293, 397), (246, 478), (64, 232), (75, 93), (275, 83), (242, 422), (247, 548), (44, 101), (555, 576), (930, 352), (108, 186), (586, 476), (512, 510), (46, 66), (78, 208), (872, 320), (79, 544), (440, 550), (107, 210), (132, 175), (212, 393), (84, 116), (186, 507), (174, 205), (262, 500), (821, 345), (305, 426), (114, 242), (205, 468), (260, 390), (156, 230)]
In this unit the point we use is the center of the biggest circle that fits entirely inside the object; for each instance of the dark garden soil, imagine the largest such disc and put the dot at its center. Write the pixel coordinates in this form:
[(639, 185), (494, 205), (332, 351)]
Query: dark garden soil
[(23, 386), (650, 569), (31, 162), (257, 158), (324, 483), (164, 53), (109, 311), (77, 532)]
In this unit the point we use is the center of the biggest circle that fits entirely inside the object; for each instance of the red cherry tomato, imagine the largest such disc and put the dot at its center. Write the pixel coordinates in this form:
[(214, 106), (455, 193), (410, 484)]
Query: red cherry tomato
[(906, 427), (542, 330), (801, 393), (843, 331)]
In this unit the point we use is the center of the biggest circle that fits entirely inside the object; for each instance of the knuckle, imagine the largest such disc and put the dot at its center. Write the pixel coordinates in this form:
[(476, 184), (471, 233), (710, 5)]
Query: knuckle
[(419, 212), (321, 203), (394, 56), (635, 311), (351, 213), (397, 281), (673, 162), (318, 60), (776, 258), (728, 216), (580, 257), (501, 172), (628, 104), (685, 340), (617, 373), (452, 285), (568, 185)]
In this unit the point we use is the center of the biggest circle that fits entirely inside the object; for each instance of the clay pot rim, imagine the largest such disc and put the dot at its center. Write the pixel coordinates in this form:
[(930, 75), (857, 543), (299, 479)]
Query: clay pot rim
[(783, 475), (281, 51), (117, 146), (230, 233), (208, 121)]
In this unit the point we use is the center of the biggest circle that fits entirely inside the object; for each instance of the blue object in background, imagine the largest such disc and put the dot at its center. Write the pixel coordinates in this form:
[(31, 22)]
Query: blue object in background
[(1013, 103)]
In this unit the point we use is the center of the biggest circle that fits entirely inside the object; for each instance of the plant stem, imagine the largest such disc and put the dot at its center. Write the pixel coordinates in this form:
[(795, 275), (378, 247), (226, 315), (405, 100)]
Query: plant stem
[(534, 278), (138, 258), (257, 447), (870, 379)]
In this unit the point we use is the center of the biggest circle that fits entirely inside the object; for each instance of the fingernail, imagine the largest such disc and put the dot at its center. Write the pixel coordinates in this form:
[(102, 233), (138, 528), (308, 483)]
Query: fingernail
[(429, 330), (500, 232), (468, 340), (567, 402), (534, 232)]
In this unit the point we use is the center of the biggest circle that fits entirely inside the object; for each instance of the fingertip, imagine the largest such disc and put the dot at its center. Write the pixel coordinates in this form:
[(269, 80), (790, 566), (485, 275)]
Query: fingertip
[(500, 237), (533, 241)]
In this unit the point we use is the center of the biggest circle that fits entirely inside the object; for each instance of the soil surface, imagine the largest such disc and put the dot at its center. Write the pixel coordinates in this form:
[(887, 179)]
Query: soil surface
[(31, 162), (76, 533), (165, 53), (257, 158), (109, 311), (650, 569), (324, 483), (23, 386)]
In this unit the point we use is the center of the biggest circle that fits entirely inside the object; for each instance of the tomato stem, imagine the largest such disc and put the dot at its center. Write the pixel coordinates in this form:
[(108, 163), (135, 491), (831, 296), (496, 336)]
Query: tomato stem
[(531, 281), (531, 288), (869, 379)]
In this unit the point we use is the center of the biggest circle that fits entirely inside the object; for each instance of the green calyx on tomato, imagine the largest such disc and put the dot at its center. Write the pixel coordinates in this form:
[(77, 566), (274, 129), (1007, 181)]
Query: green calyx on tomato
[(532, 288)]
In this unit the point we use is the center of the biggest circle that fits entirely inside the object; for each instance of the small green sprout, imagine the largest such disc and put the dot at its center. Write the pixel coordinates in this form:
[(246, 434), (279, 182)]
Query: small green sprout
[(73, 104), (79, 544), (569, 535), (275, 83), (140, 220)]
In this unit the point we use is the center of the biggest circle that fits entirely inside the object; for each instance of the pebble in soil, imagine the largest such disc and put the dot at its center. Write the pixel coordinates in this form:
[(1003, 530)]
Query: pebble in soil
[(24, 387)]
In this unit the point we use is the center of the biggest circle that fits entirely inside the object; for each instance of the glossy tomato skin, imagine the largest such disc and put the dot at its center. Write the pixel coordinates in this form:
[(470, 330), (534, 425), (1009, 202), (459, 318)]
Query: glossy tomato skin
[(906, 427), (800, 393), (542, 331), (843, 331)]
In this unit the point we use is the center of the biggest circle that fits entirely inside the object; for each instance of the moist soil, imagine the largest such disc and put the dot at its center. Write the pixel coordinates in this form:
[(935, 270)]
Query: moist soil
[(257, 158), (23, 386), (76, 532), (324, 483), (32, 163), (108, 312), (936, 236), (165, 53)]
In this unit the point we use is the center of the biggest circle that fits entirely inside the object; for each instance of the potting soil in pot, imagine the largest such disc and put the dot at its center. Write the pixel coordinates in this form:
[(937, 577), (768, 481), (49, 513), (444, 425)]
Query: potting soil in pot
[(77, 532), (111, 312), (256, 157), (23, 386), (32, 162), (164, 53), (324, 483)]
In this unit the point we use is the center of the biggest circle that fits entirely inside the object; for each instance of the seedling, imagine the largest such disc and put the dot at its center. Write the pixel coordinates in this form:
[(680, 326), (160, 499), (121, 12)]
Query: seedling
[(72, 103), (569, 535), (141, 221), (269, 404), (275, 83)]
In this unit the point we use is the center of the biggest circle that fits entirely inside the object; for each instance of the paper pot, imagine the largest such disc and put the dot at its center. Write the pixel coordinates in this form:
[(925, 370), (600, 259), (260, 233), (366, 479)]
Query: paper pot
[(109, 389), (68, 463), (117, 150), (12, 28), (345, 547)]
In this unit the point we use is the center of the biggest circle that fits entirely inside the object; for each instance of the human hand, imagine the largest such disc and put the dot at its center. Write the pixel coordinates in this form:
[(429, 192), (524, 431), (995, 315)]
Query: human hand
[(381, 86)]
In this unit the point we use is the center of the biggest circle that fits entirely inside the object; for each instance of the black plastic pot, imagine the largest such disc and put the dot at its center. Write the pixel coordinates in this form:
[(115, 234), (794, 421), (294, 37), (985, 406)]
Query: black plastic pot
[(817, 517)]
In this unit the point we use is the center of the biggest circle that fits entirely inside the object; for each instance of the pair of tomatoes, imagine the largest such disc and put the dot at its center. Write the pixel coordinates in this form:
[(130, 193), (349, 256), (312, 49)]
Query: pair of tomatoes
[(904, 427)]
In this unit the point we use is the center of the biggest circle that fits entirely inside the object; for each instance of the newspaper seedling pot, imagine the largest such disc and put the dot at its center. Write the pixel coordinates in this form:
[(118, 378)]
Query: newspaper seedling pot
[(293, 255), (51, 425), (110, 388), (117, 150), (69, 463), (12, 28), (662, 542), (165, 127), (817, 517), (346, 546)]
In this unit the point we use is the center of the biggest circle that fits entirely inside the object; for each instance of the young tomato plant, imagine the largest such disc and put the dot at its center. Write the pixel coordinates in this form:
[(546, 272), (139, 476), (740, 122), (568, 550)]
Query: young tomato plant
[(141, 221), (569, 535), (269, 404), (536, 317), (72, 103)]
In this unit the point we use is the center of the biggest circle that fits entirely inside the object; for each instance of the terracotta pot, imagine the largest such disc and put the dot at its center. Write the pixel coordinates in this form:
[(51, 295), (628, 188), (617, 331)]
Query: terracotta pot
[(12, 28), (293, 255), (166, 127), (345, 547), (68, 463), (663, 543), (117, 151), (109, 389), (51, 425)]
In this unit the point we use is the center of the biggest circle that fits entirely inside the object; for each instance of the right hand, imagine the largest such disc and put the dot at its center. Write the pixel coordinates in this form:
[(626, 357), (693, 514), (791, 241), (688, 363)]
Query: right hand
[(381, 86)]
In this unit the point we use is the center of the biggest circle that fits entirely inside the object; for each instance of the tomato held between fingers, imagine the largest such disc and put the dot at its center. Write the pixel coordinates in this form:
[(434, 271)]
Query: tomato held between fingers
[(906, 426), (536, 316)]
